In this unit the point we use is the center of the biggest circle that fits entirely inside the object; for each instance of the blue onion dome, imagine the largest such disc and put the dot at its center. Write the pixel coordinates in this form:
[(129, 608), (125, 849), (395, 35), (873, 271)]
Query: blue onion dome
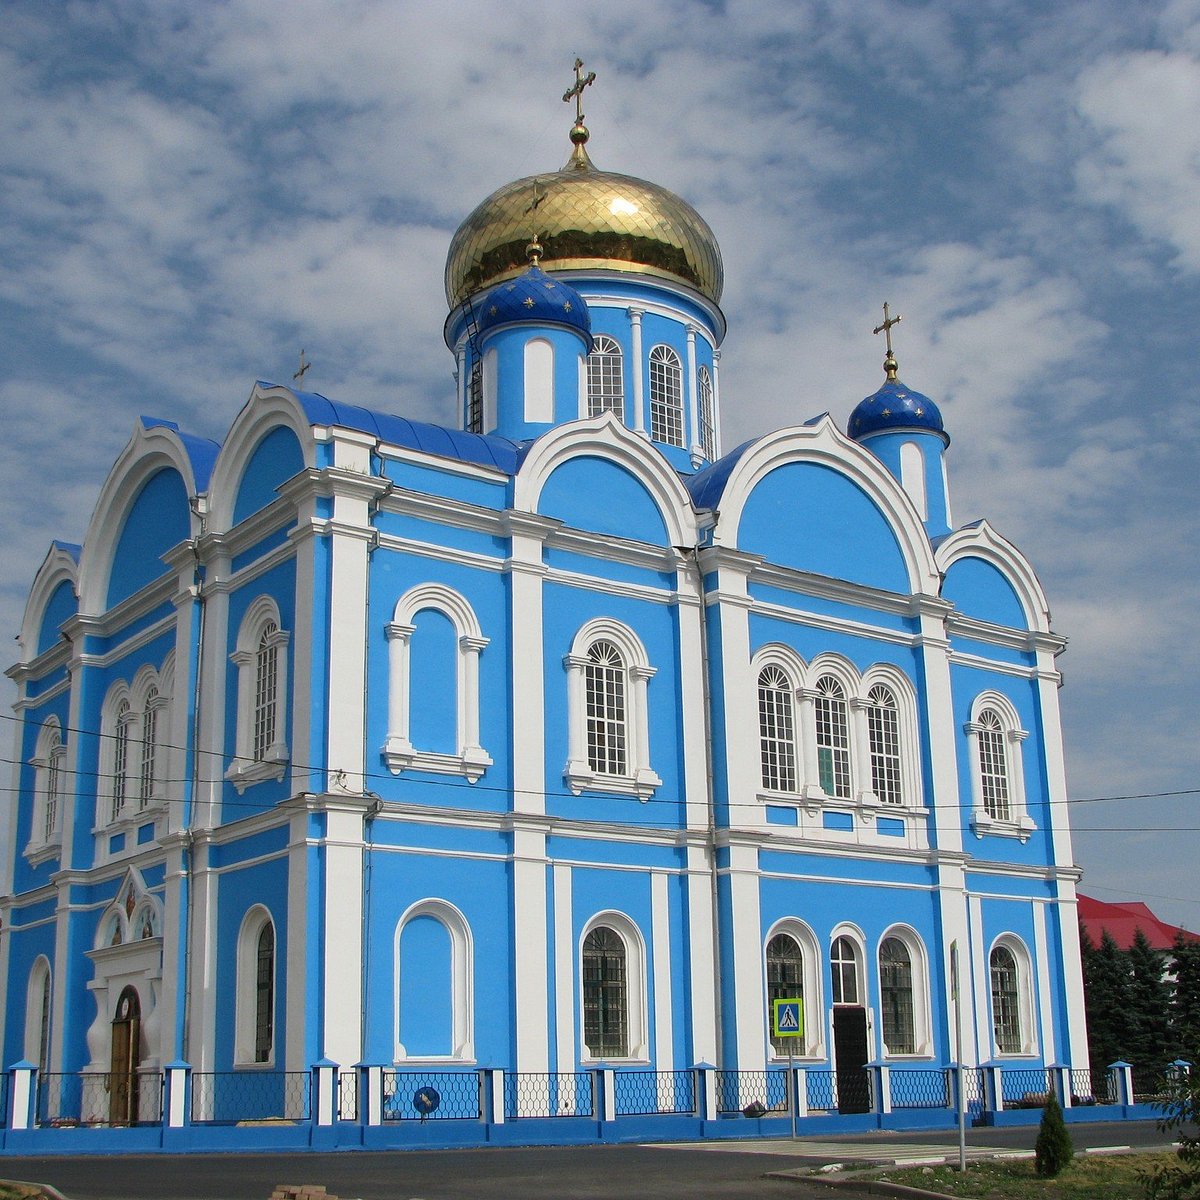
[(535, 298), (895, 406)]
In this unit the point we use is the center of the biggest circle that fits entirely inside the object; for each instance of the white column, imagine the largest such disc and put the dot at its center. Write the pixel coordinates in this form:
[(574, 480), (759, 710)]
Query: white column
[(1044, 1004), (806, 718), (716, 403), (399, 639), (940, 726), (468, 694), (564, 970), (660, 952), (530, 959), (637, 367), (342, 968), (862, 749), (693, 412), (746, 938)]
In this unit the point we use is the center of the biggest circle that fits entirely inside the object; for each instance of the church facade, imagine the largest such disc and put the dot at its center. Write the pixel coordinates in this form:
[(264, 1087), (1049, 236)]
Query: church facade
[(564, 737)]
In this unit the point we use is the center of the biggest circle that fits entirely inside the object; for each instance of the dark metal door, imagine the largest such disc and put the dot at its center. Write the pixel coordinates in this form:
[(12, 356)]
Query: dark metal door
[(850, 1047)]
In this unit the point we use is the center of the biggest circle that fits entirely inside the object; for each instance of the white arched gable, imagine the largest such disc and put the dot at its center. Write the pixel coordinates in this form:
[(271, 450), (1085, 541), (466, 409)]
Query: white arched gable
[(780, 655), (268, 408), (983, 542), (606, 438), (822, 442), (147, 452), (57, 567)]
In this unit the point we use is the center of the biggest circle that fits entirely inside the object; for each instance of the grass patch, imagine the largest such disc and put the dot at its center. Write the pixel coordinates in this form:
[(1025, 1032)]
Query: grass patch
[(1089, 1177), (19, 1191)]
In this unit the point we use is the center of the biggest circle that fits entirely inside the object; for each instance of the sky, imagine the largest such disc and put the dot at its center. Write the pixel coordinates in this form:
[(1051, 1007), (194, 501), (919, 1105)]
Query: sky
[(191, 193)]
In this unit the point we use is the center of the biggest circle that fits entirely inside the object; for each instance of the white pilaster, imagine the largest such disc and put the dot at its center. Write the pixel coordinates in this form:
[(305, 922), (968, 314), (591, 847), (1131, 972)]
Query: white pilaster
[(941, 727), (637, 367), (530, 963), (693, 410), (717, 404), (660, 952), (343, 921), (703, 981), (745, 936), (1045, 1007), (564, 971)]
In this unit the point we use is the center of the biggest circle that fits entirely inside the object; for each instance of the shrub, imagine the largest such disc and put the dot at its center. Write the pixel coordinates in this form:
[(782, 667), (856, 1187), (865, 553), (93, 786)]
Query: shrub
[(1181, 1108), (1054, 1149)]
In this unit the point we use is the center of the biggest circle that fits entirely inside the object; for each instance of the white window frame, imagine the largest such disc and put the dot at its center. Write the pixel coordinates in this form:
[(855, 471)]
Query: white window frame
[(1019, 823), (708, 421), (462, 981), (922, 1019), (39, 1000), (470, 759), (1026, 1006), (666, 396), (605, 359), (901, 688), (812, 1044), (256, 919), (636, 1007), (247, 768), (50, 797), (855, 939), (639, 778), (781, 784)]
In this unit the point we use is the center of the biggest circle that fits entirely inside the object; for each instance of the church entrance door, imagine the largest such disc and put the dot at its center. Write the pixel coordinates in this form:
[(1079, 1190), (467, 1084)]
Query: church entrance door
[(126, 1046), (850, 1047)]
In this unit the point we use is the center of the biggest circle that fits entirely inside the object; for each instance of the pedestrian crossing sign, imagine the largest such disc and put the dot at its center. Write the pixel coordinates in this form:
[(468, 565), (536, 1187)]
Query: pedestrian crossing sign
[(787, 1018)]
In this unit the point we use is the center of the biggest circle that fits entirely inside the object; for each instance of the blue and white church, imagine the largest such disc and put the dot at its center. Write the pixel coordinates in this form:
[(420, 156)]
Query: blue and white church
[(563, 736)]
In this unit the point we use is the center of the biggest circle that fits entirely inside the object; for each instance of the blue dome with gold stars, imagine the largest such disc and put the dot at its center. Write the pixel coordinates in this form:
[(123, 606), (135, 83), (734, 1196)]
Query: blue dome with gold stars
[(895, 406), (535, 298)]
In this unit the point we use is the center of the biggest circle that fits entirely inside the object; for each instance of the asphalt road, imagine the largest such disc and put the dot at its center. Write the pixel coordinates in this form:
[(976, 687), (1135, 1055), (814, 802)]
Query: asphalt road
[(558, 1173)]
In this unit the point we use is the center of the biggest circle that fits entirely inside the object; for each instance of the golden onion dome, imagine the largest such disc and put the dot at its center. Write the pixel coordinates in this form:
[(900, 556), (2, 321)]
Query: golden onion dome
[(585, 219)]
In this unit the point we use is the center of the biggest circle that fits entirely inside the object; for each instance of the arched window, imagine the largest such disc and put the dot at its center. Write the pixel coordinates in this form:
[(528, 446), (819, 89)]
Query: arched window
[(776, 730), (993, 767), (607, 703), (785, 981), (994, 743), (49, 764), (843, 965), (883, 733), (37, 1015), (120, 773), (149, 748), (833, 738), (896, 997), (261, 724), (708, 435), (666, 396), (605, 994), (1007, 1017), (605, 377), (254, 1019), (54, 763)]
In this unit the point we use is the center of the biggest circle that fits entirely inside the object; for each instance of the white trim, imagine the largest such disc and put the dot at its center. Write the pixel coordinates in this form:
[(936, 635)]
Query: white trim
[(57, 567), (39, 990), (983, 542), (660, 956)]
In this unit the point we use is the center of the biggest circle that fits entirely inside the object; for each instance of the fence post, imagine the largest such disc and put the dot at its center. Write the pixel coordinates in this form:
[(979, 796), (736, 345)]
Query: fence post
[(1179, 1070), (800, 1092), (993, 1088), (175, 1094), (22, 1108), (370, 1093), (1059, 1079), (1122, 1077), (705, 1075), (604, 1094), (324, 1074), (491, 1095), (881, 1087)]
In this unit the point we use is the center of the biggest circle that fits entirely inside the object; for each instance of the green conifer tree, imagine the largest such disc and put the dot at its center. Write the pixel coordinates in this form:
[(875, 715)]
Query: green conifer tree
[(1106, 990), (1150, 1044), (1053, 1149), (1185, 1001)]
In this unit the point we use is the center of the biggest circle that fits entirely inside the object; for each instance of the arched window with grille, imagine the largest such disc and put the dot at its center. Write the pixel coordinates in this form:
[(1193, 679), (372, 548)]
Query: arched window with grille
[(666, 396), (994, 744), (785, 981), (896, 996), (261, 721), (833, 738), (1006, 1001), (121, 748), (49, 764), (776, 730), (607, 733), (605, 994), (264, 995), (708, 423), (148, 779), (605, 377), (993, 767), (256, 990), (883, 733), (266, 696)]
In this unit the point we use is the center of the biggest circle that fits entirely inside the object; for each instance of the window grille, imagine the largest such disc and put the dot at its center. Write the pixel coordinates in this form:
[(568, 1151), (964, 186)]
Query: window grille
[(604, 685), (54, 759), (1006, 1007), (993, 767), (708, 433), (785, 980), (843, 961), (264, 995), (605, 378), (44, 1027), (776, 728), (475, 398), (896, 997), (149, 748), (833, 738), (265, 684), (605, 995), (666, 396), (121, 758), (883, 730)]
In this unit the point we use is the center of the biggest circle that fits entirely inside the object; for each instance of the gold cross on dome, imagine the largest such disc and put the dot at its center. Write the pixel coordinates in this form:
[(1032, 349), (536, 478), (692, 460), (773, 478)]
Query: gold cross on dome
[(886, 327), (581, 81), (299, 375)]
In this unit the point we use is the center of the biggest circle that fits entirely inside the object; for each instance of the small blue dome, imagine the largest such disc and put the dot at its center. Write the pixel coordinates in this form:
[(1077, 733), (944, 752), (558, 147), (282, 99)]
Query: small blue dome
[(535, 298), (895, 407)]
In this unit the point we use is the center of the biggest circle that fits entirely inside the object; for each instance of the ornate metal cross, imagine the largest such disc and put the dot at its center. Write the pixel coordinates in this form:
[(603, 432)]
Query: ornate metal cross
[(581, 81), (299, 375), (886, 327)]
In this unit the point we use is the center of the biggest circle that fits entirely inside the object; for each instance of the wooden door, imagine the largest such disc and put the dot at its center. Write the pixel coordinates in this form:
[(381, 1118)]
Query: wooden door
[(126, 1051)]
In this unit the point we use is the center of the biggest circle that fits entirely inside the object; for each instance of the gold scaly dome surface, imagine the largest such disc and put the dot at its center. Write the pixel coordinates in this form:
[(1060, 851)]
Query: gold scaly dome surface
[(585, 219)]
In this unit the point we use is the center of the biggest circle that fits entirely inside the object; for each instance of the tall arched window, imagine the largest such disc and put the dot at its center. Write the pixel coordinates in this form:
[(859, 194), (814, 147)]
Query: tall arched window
[(708, 428), (54, 763), (254, 1016), (120, 775), (896, 996), (994, 737), (1006, 1001), (264, 995), (993, 767), (666, 396), (604, 686), (785, 981), (883, 732), (37, 1015), (261, 726), (605, 994), (605, 377), (266, 697), (843, 965), (776, 730), (49, 763), (833, 738), (149, 748)]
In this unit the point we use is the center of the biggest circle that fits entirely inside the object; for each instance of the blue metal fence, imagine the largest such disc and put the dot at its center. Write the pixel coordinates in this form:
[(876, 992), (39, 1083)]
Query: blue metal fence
[(99, 1098), (649, 1093), (250, 1097), (548, 1094), (739, 1091), (431, 1095), (921, 1087)]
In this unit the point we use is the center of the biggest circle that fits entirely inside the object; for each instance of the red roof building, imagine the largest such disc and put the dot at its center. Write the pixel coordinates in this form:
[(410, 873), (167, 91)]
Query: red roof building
[(1122, 921)]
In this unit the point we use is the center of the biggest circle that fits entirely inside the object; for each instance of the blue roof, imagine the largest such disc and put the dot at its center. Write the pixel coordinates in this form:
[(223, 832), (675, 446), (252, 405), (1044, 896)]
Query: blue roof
[(536, 299), (68, 548), (707, 486), (488, 451), (202, 452), (895, 407)]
